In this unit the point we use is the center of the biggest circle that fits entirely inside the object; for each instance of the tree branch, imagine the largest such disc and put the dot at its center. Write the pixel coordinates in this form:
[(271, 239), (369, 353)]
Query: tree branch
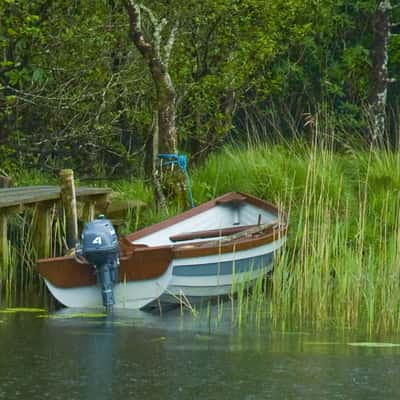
[(158, 27), (170, 43), (152, 17), (103, 96), (135, 28), (384, 6)]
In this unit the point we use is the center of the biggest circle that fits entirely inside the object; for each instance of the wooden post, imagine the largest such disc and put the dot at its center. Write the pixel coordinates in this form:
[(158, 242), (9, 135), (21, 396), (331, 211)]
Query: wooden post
[(68, 199), (5, 182), (3, 243)]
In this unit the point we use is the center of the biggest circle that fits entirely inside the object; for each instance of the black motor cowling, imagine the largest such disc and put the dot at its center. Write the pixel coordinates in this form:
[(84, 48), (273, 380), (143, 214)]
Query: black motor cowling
[(99, 245)]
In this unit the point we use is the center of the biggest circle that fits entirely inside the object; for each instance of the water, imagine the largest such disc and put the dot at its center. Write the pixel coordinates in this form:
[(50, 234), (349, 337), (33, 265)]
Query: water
[(136, 355)]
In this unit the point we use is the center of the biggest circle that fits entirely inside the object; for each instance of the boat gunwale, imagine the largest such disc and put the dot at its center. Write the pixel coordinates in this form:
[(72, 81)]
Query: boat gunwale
[(226, 198), (180, 251), (213, 246), (130, 251)]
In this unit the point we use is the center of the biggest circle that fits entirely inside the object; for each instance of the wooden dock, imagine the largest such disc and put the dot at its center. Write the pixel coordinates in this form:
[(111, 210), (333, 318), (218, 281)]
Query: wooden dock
[(27, 196), (44, 199)]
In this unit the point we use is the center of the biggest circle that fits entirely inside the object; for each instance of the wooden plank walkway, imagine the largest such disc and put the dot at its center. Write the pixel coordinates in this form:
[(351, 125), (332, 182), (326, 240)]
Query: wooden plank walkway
[(31, 195)]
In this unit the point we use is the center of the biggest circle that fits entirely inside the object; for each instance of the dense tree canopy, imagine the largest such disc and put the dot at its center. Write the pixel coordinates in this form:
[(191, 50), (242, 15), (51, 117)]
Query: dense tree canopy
[(75, 92)]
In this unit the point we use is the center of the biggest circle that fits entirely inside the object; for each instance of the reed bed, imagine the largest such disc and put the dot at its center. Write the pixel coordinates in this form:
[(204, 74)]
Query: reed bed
[(341, 264), (19, 279)]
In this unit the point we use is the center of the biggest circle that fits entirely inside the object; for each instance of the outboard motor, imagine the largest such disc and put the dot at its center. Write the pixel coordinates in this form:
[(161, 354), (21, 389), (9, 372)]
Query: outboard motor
[(99, 245)]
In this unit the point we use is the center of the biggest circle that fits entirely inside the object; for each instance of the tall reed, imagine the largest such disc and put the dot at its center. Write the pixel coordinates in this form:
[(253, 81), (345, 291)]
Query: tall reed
[(19, 276), (341, 263)]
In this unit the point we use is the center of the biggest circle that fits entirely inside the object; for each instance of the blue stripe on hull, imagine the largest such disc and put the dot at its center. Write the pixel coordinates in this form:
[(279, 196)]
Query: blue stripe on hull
[(224, 268)]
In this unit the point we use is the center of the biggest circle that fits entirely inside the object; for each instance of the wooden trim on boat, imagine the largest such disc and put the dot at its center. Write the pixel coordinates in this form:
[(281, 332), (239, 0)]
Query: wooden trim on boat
[(143, 263), (226, 198), (66, 272), (127, 247), (229, 198), (219, 247), (147, 262), (209, 233)]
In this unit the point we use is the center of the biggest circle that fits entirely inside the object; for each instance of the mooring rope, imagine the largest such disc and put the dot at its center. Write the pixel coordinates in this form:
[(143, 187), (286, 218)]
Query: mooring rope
[(181, 161)]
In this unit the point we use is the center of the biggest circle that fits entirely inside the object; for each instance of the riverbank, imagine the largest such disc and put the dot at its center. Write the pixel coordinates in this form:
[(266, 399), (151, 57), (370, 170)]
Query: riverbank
[(341, 264)]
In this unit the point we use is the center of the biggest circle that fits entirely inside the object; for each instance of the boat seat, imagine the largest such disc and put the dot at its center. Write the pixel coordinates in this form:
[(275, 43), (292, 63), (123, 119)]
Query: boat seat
[(231, 198), (209, 233)]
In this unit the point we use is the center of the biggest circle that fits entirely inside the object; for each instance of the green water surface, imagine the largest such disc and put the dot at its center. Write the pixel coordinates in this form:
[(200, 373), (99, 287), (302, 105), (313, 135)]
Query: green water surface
[(81, 354)]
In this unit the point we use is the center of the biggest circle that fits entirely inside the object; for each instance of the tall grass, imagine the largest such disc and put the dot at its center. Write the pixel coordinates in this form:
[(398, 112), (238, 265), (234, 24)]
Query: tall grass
[(19, 278), (341, 264)]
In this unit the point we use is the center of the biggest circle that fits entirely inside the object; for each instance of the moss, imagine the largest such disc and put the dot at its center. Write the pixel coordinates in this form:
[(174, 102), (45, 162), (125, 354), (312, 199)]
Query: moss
[(74, 315), (22, 310)]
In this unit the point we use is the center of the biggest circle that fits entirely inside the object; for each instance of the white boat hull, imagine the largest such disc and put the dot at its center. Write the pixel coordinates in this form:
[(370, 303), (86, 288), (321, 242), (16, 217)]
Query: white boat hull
[(198, 278), (133, 295), (186, 280), (211, 250)]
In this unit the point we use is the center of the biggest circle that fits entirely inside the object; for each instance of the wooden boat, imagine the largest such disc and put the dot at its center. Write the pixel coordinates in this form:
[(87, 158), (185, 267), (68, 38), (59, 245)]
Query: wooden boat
[(198, 254)]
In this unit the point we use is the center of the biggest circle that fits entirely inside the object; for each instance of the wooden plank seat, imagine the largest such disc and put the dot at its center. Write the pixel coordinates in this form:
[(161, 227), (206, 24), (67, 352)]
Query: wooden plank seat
[(232, 198), (212, 233), (209, 233)]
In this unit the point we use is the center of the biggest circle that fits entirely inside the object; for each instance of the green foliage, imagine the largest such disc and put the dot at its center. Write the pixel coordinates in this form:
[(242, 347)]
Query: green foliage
[(230, 49), (74, 92)]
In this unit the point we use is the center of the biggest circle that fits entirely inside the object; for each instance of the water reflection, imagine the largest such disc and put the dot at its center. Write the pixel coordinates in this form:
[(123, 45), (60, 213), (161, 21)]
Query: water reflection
[(136, 355)]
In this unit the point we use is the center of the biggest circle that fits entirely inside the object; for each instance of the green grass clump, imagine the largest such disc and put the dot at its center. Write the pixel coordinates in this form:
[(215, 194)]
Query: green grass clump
[(342, 261), (132, 189)]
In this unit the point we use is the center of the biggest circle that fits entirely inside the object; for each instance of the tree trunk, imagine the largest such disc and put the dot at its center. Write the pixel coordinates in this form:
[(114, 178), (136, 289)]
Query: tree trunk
[(151, 53), (156, 58), (380, 72), (166, 97)]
